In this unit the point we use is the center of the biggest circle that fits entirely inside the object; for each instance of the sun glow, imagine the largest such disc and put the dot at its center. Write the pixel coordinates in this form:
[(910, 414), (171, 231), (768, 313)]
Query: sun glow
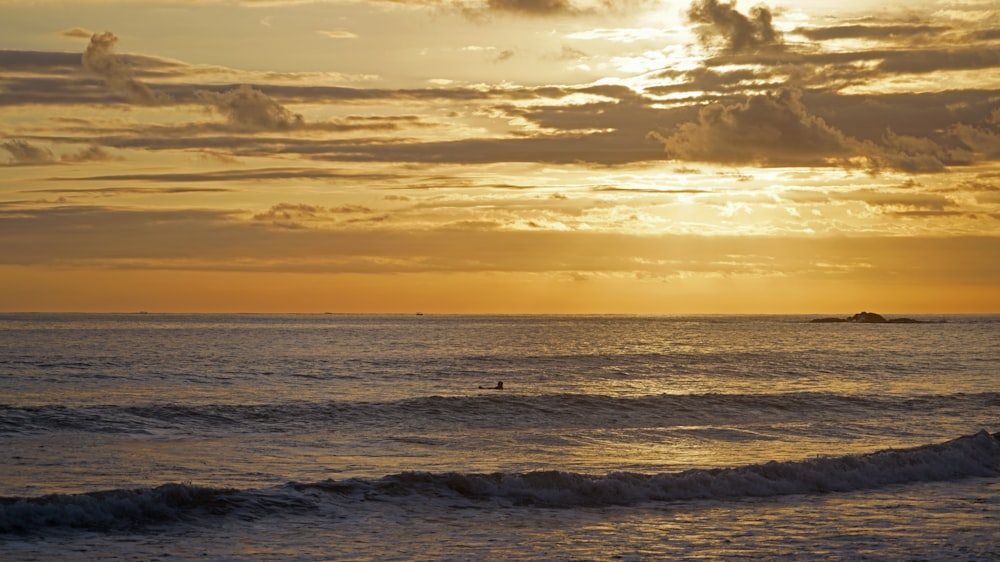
[(563, 157)]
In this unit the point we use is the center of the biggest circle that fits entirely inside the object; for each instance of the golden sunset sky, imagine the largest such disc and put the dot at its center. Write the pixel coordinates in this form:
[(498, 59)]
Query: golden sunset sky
[(500, 156)]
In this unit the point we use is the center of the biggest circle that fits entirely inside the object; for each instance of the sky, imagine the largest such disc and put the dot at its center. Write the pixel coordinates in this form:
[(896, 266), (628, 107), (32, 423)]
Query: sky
[(500, 156)]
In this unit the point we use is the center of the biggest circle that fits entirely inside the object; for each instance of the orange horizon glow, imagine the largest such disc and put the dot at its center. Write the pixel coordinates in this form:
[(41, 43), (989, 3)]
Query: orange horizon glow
[(463, 156), (278, 293)]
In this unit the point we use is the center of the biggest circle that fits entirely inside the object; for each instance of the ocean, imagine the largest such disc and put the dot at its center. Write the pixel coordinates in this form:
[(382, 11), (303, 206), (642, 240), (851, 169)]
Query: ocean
[(382, 437)]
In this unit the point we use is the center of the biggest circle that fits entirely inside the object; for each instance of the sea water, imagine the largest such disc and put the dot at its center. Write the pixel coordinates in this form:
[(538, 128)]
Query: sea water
[(331, 437)]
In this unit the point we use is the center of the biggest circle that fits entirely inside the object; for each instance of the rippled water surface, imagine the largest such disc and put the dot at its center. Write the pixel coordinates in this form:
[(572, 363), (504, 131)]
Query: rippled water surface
[(368, 437)]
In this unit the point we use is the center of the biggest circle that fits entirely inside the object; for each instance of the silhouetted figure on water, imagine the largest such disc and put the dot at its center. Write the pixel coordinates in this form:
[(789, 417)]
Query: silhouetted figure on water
[(499, 386)]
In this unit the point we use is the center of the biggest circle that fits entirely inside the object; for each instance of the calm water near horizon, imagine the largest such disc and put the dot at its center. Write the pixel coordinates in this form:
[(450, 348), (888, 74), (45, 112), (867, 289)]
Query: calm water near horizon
[(368, 437)]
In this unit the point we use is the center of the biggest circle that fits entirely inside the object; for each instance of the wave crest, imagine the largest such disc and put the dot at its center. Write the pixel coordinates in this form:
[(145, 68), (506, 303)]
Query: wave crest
[(972, 456)]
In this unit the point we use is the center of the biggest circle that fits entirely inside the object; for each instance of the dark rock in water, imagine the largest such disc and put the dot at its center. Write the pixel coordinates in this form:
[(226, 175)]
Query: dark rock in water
[(867, 318)]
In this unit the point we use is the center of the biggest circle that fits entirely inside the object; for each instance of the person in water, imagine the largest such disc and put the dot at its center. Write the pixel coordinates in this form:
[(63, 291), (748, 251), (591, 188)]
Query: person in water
[(499, 386)]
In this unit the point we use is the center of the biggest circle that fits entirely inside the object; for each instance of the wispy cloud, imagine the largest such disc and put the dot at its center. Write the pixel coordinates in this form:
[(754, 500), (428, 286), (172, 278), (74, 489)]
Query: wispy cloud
[(338, 34), (91, 235)]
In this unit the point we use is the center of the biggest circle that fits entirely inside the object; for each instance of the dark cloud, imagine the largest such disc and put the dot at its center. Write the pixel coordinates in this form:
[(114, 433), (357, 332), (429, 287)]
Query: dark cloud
[(39, 62), (908, 132), (92, 153), (606, 133), (880, 32), (250, 109), (915, 155), (930, 60), (119, 191), (773, 129), (479, 10), (505, 55), (531, 7), (55, 79), (896, 199), (986, 34), (933, 214), (626, 112), (598, 148), (983, 142), (884, 62), (77, 33), (917, 133), (868, 117), (298, 215), (725, 117), (703, 79), (914, 133), (243, 175), (100, 58), (737, 32), (24, 153)]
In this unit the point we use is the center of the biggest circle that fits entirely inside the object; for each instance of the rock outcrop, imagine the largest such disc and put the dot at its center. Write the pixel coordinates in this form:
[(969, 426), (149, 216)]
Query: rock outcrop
[(868, 318)]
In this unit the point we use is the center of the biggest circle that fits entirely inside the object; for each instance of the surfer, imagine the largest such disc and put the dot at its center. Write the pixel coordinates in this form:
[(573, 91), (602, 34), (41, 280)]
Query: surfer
[(499, 386)]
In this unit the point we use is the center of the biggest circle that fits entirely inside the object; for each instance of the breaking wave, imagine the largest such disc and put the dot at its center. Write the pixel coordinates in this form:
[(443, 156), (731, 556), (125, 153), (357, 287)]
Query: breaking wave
[(971, 456)]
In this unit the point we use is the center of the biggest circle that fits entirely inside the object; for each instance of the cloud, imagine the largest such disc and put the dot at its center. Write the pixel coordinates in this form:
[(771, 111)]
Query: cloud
[(298, 215), (507, 54), (248, 108), (531, 7), (244, 175), (174, 239), (338, 34), (609, 149), (913, 201), (868, 117), (539, 8), (920, 61), (982, 141), (778, 129), (880, 32), (100, 59), (77, 33), (708, 80), (92, 153), (24, 153), (738, 33), (770, 130), (910, 154), (117, 191), (37, 62)]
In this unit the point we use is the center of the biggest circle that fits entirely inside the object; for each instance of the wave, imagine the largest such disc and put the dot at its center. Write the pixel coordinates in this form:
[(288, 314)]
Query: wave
[(482, 411), (970, 456)]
